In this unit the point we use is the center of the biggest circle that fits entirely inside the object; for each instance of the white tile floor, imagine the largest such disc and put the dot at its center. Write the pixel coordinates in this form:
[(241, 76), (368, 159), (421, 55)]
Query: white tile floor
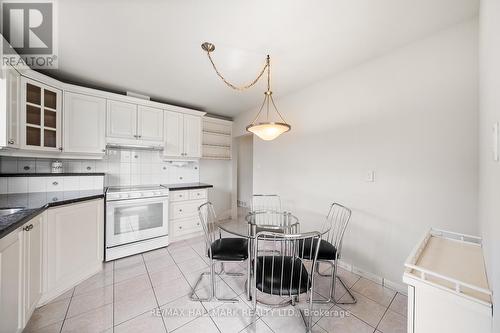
[(150, 293)]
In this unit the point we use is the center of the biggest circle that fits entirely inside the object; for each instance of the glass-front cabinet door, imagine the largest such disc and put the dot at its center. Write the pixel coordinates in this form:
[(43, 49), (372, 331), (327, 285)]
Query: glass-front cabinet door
[(40, 116)]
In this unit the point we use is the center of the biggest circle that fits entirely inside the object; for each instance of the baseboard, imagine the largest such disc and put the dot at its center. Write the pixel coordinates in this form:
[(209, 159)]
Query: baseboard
[(399, 287)]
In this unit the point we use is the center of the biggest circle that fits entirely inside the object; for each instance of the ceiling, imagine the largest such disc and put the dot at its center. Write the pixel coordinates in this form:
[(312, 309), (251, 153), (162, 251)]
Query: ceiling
[(153, 46)]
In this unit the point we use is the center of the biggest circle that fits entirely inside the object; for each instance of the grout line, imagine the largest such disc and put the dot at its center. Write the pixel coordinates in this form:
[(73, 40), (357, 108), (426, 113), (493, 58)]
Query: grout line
[(392, 300), (154, 293), (67, 310), (371, 299)]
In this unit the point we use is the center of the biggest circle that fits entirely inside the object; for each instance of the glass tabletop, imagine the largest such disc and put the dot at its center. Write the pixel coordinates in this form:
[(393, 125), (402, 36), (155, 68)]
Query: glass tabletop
[(248, 225)]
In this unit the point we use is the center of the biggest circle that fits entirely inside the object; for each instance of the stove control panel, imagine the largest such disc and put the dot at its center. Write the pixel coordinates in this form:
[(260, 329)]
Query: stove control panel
[(136, 194)]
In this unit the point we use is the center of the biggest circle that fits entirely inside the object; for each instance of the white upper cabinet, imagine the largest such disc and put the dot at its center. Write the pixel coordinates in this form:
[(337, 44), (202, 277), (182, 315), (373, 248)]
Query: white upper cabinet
[(182, 135), (84, 124), (40, 116), (134, 124), (192, 136), (174, 134), (149, 124), (121, 120), (10, 83)]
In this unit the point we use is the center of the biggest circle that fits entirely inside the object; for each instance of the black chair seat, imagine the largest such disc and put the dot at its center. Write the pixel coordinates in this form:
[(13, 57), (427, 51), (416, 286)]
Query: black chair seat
[(230, 249), (326, 250), (277, 277)]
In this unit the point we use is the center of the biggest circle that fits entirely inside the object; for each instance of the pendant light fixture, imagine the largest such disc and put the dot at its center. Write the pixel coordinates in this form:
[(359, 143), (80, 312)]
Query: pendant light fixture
[(262, 126)]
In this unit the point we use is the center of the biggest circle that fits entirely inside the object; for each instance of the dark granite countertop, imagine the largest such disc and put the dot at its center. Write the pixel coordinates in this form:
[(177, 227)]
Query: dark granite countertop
[(49, 174), (35, 203), (186, 186)]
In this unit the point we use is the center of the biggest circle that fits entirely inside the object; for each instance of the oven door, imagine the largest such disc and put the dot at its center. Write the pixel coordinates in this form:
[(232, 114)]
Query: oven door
[(134, 220)]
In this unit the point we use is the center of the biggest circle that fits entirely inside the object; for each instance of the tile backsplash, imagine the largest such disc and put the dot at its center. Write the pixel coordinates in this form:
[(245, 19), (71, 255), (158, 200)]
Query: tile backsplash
[(122, 167)]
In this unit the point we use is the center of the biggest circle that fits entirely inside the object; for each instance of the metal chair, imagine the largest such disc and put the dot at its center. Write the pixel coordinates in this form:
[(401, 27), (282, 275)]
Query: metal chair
[(269, 203), (330, 248), (218, 250), (285, 275)]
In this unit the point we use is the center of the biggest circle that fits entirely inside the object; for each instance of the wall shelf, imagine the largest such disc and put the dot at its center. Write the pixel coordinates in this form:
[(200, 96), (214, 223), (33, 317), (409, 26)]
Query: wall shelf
[(217, 139)]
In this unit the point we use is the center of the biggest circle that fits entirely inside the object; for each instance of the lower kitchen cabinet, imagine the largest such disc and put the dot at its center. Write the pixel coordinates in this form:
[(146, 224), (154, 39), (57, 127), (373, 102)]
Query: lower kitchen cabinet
[(32, 265), (46, 256), (73, 245), (184, 219), (11, 307)]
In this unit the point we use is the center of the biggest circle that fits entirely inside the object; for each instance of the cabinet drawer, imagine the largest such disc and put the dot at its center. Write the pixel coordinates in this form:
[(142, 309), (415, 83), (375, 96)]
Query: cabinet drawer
[(179, 195), (183, 209), (187, 226), (198, 194)]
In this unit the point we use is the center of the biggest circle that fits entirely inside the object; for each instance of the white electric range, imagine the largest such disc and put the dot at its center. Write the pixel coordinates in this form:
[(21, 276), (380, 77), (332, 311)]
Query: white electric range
[(136, 220)]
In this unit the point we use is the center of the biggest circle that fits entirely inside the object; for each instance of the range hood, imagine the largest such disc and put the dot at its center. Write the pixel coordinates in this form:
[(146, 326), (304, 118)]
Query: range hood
[(133, 146)]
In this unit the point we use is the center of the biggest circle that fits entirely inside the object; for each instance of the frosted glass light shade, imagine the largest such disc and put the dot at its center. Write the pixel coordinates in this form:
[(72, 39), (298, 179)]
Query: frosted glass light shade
[(268, 131)]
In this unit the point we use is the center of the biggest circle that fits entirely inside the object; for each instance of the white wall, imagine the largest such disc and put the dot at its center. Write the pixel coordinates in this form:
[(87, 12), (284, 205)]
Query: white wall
[(245, 168), (219, 174), (489, 170), (411, 116)]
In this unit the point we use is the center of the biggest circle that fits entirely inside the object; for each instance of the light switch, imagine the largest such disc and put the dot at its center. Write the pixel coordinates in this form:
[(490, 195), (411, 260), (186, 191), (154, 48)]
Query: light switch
[(370, 176), (495, 142)]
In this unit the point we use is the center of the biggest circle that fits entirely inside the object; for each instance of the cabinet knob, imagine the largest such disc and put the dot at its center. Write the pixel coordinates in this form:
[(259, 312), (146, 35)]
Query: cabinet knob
[(26, 167), (180, 210), (104, 150), (180, 227), (11, 142), (55, 183), (28, 227), (89, 168), (60, 148)]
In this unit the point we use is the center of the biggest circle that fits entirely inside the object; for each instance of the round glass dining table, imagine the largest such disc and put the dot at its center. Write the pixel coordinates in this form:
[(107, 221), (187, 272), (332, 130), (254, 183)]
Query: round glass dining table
[(266, 220)]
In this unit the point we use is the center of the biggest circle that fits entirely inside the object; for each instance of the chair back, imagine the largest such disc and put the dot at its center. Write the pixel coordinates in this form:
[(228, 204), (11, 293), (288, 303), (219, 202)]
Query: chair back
[(336, 224), (266, 203), (208, 221), (283, 272)]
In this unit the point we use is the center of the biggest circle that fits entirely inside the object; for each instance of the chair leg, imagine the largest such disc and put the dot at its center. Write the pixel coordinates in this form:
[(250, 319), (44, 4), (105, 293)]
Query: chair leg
[(333, 284), (193, 291), (223, 271), (213, 292)]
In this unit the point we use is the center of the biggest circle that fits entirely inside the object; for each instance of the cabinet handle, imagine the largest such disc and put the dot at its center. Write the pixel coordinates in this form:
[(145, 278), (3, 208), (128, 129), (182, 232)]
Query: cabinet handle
[(180, 227), (139, 136), (28, 227), (11, 142), (89, 168), (26, 167), (180, 210), (104, 150), (55, 183), (60, 148)]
